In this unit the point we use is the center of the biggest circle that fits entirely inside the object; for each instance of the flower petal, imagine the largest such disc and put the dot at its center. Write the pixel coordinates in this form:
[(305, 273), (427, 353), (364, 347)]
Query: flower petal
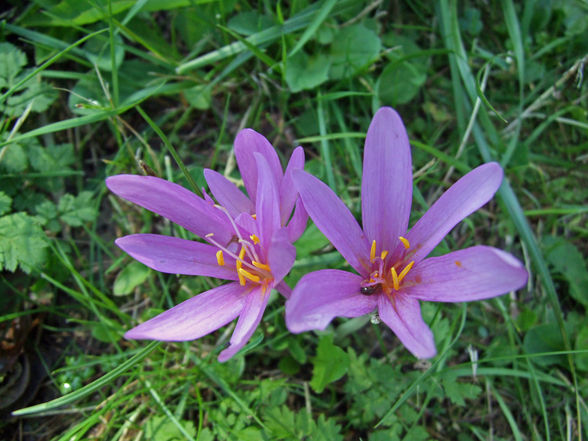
[(403, 316), (321, 296), (463, 198), (475, 273), (227, 194), (249, 319), (283, 288), (288, 193), (298, 222), (281, 255), (194, 317), (177, 256), (246, 144), (267, 206), (173, 202), (386, 189), (334, 219)]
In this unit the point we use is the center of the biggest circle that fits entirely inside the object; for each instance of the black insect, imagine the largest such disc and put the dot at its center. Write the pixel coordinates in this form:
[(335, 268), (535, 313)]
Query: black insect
[(369, 290)]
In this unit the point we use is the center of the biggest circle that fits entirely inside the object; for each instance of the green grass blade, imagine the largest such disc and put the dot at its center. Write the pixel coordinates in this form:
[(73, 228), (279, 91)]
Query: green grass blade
[(314, 25), (92, 387)]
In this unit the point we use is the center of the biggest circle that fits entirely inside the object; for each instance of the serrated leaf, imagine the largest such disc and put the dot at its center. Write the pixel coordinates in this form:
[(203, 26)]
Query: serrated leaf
[(326, 429), (330, 364), (12, 61), (304, 72), (22, 243), (75, 210), (5, 203), (129, 278), (353, 48), (458, 392), (51, 159)]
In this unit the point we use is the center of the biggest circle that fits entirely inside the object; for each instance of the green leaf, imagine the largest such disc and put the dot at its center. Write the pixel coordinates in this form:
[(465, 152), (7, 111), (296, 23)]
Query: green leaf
[(354, 47), (5, 203), (545, 338), (98, 52), (400, 82), (13, 158), (568, 260), (304, 72), (12, 61), (47, 211), (51, 159), (250, 22), (326, 430), (458, 392), (22, 243), (160, 428), (75, 210), (129, 278), (330, 364), (582, 345), (198, 97)]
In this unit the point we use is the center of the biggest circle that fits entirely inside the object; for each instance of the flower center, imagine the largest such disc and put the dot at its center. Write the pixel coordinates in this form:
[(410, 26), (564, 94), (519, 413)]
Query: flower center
[(248, 265), (387, 273)]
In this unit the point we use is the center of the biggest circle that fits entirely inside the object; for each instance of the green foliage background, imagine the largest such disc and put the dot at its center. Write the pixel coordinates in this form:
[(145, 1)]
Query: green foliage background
[(93, 88)]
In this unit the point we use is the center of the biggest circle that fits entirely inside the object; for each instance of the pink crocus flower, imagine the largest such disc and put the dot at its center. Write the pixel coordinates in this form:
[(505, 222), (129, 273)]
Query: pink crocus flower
[(249, 242), (393, 273)]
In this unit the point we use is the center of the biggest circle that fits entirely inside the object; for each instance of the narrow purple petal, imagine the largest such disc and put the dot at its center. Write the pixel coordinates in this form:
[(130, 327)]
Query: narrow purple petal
[(463, 198), (246, 144), (334, 219), (386, 189), (227, 194), (288, 193), (249, 319), (267, 206), (403, 316), (475, 273), (281, 255), (173, 202), (195, 317), (283, 289), (321, 296), (177, 256), (298, 222)]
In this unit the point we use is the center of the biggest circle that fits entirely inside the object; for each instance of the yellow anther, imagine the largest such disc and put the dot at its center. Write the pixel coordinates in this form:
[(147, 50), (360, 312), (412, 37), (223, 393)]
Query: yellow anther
[(405, 242), (220, 258), (254, 216), (405, 271), (395, 280), (373, 251), (248, 275), (254, 238), (383, 254), (262, 266), (241, 278), (242, 253)]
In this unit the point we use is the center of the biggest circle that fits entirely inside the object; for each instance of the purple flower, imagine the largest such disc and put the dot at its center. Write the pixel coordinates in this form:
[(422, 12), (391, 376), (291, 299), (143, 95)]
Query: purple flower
[(249, 242), (393, 274)]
